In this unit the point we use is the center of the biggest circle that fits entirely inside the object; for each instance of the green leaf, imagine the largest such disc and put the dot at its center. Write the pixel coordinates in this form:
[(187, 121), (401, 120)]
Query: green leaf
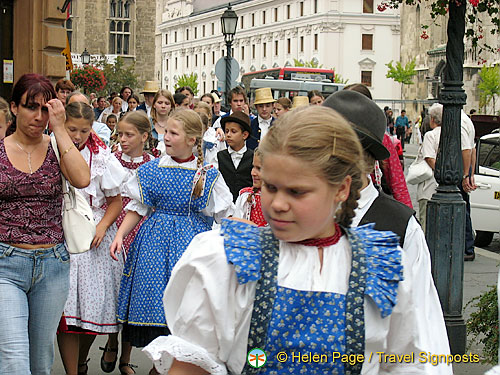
[(190, 80)]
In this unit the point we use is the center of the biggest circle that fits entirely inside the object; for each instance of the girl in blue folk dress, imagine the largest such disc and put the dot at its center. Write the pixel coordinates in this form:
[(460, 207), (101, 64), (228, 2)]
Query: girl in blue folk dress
[(307, 284), (181, 198)]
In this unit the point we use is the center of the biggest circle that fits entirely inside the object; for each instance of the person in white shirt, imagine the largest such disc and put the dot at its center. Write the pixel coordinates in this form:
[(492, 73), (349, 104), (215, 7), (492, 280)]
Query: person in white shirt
[(260, 126), (236, 162)]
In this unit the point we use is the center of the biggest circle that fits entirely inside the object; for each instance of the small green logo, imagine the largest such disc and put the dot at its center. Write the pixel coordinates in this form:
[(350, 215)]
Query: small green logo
[(256, 358)]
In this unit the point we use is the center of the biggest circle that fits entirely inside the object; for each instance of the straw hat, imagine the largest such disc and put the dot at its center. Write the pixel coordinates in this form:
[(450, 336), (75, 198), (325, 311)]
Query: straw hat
[(263, 96), (299, 101), (216, 97), (150, 87)]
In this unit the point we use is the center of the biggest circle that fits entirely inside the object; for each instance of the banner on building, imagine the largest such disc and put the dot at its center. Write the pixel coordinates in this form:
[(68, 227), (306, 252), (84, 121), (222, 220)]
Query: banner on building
[(67, 53)]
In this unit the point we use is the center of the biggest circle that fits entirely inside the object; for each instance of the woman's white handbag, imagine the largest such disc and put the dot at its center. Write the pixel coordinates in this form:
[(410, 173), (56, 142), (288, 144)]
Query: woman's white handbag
[(419, 171), (77, 218)]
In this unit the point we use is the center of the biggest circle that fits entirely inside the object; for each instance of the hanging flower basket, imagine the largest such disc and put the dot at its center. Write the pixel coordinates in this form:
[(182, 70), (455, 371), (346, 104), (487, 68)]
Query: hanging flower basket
[(89, 78)]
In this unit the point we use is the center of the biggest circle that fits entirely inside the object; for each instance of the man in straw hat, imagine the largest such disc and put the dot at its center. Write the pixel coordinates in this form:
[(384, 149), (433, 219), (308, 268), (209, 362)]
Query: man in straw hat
[(264, 104), (369, 122), (150, 89)]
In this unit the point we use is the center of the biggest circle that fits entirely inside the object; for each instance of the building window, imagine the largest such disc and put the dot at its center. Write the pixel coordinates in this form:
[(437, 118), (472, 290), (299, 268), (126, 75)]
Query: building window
[(213, 85), (196, 60), (175, 36), (315, 6), (264, 48), (301, 44), (242, 53), (275, 14), (166, 64), (166, 38), (176, 63), (242, 24), (203, 31), (69, 24), (276, 47), (253, 51), (288, 12), (204, 59), (195, 32), (119, 27), (213, 28), (187, 61), (367, 6), (289, 45), (204, 86), (263, 17), (213, 57), (232, 51), (253, 20), (316, 42), (367, 42), (301, 8), (187, 34), (366, 78)]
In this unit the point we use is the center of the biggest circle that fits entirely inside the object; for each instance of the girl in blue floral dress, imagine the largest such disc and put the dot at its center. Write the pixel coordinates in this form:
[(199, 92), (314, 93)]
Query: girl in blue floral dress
[(316, 296), (181, 197)]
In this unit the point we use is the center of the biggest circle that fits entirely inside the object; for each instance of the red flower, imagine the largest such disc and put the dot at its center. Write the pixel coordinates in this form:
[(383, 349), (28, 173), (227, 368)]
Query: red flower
[(424, 35), (474, 3)]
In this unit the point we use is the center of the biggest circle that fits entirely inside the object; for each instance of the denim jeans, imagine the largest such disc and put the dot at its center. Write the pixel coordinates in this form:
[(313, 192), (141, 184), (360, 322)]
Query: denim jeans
[(33, 290)]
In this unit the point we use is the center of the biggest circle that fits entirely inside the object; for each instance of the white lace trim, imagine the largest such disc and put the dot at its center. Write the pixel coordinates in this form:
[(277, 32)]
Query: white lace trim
[(138, 207), (164, 349)]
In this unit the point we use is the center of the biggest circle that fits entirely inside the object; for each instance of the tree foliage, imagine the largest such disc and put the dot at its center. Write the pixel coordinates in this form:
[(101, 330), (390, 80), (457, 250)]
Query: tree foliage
[(474, 29), (337, 78), (117, 75), (308, 64), (190, 80), (489, 87), (400, 73)]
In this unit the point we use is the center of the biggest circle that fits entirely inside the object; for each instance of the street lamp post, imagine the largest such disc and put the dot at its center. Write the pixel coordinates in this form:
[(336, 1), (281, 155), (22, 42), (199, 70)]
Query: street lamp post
[(445, 231), (85, 56), (229, 22)]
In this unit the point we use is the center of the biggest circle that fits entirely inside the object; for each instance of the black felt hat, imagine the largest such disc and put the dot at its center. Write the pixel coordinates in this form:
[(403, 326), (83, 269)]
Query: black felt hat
[(366, 117), (240, 118)]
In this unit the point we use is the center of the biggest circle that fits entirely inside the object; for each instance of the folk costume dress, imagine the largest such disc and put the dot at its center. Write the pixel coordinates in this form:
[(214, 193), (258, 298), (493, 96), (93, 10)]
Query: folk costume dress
[(249, 207), (94, 275), (165, 185), (241, 288), (130, 165)]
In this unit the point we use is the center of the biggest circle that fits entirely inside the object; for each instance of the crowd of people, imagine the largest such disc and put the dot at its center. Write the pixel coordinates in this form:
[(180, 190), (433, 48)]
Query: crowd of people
[(218, 230)]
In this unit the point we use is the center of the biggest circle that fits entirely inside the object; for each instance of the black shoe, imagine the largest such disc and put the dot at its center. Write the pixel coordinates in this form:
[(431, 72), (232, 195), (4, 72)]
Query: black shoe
[(108, 366), (83, 366), (469, 257)]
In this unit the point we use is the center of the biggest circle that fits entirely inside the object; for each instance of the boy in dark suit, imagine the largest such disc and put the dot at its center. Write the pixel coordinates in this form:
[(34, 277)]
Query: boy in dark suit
[(235, 163), (260, 125)]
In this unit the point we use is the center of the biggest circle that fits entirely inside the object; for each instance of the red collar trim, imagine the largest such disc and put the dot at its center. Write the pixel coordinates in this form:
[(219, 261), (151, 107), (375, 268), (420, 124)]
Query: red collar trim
[(323, 242), (177, 160)]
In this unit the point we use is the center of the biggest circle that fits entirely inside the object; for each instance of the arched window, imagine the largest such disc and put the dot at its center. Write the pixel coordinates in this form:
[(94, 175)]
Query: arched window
[(112, 8), (120, 27)]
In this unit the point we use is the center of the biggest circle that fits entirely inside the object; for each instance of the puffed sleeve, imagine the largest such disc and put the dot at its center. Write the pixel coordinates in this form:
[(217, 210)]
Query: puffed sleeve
[(417, 323), (220, 204), (132, 189), (207, 311), (241, 206), (113, 178)]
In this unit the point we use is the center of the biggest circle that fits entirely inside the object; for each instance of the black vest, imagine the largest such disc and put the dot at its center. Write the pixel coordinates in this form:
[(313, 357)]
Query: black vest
[(388, 214), (236, 179)]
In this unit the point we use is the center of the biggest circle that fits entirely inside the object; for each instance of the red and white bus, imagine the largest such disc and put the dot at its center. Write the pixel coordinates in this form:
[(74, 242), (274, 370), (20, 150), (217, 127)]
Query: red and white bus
[(290, 73)]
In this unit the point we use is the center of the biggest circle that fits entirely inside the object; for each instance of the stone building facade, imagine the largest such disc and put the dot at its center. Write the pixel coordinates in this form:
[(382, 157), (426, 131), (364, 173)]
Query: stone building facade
[(113, 28), (430, 55), (32, 39), (351, 36)]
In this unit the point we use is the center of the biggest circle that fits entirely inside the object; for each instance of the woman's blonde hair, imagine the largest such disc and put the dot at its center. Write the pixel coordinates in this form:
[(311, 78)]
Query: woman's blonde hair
[(324, 140), (205, 112), (4, 107), (167, 94), (193, 127), (141, 122)]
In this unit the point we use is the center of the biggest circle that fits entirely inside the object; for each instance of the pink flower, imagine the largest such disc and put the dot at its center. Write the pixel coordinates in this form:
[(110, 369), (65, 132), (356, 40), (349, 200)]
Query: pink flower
[(474, 3)]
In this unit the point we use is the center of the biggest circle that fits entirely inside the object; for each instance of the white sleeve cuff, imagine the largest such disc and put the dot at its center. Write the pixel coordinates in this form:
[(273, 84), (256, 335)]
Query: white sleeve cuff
[(164, 349)]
